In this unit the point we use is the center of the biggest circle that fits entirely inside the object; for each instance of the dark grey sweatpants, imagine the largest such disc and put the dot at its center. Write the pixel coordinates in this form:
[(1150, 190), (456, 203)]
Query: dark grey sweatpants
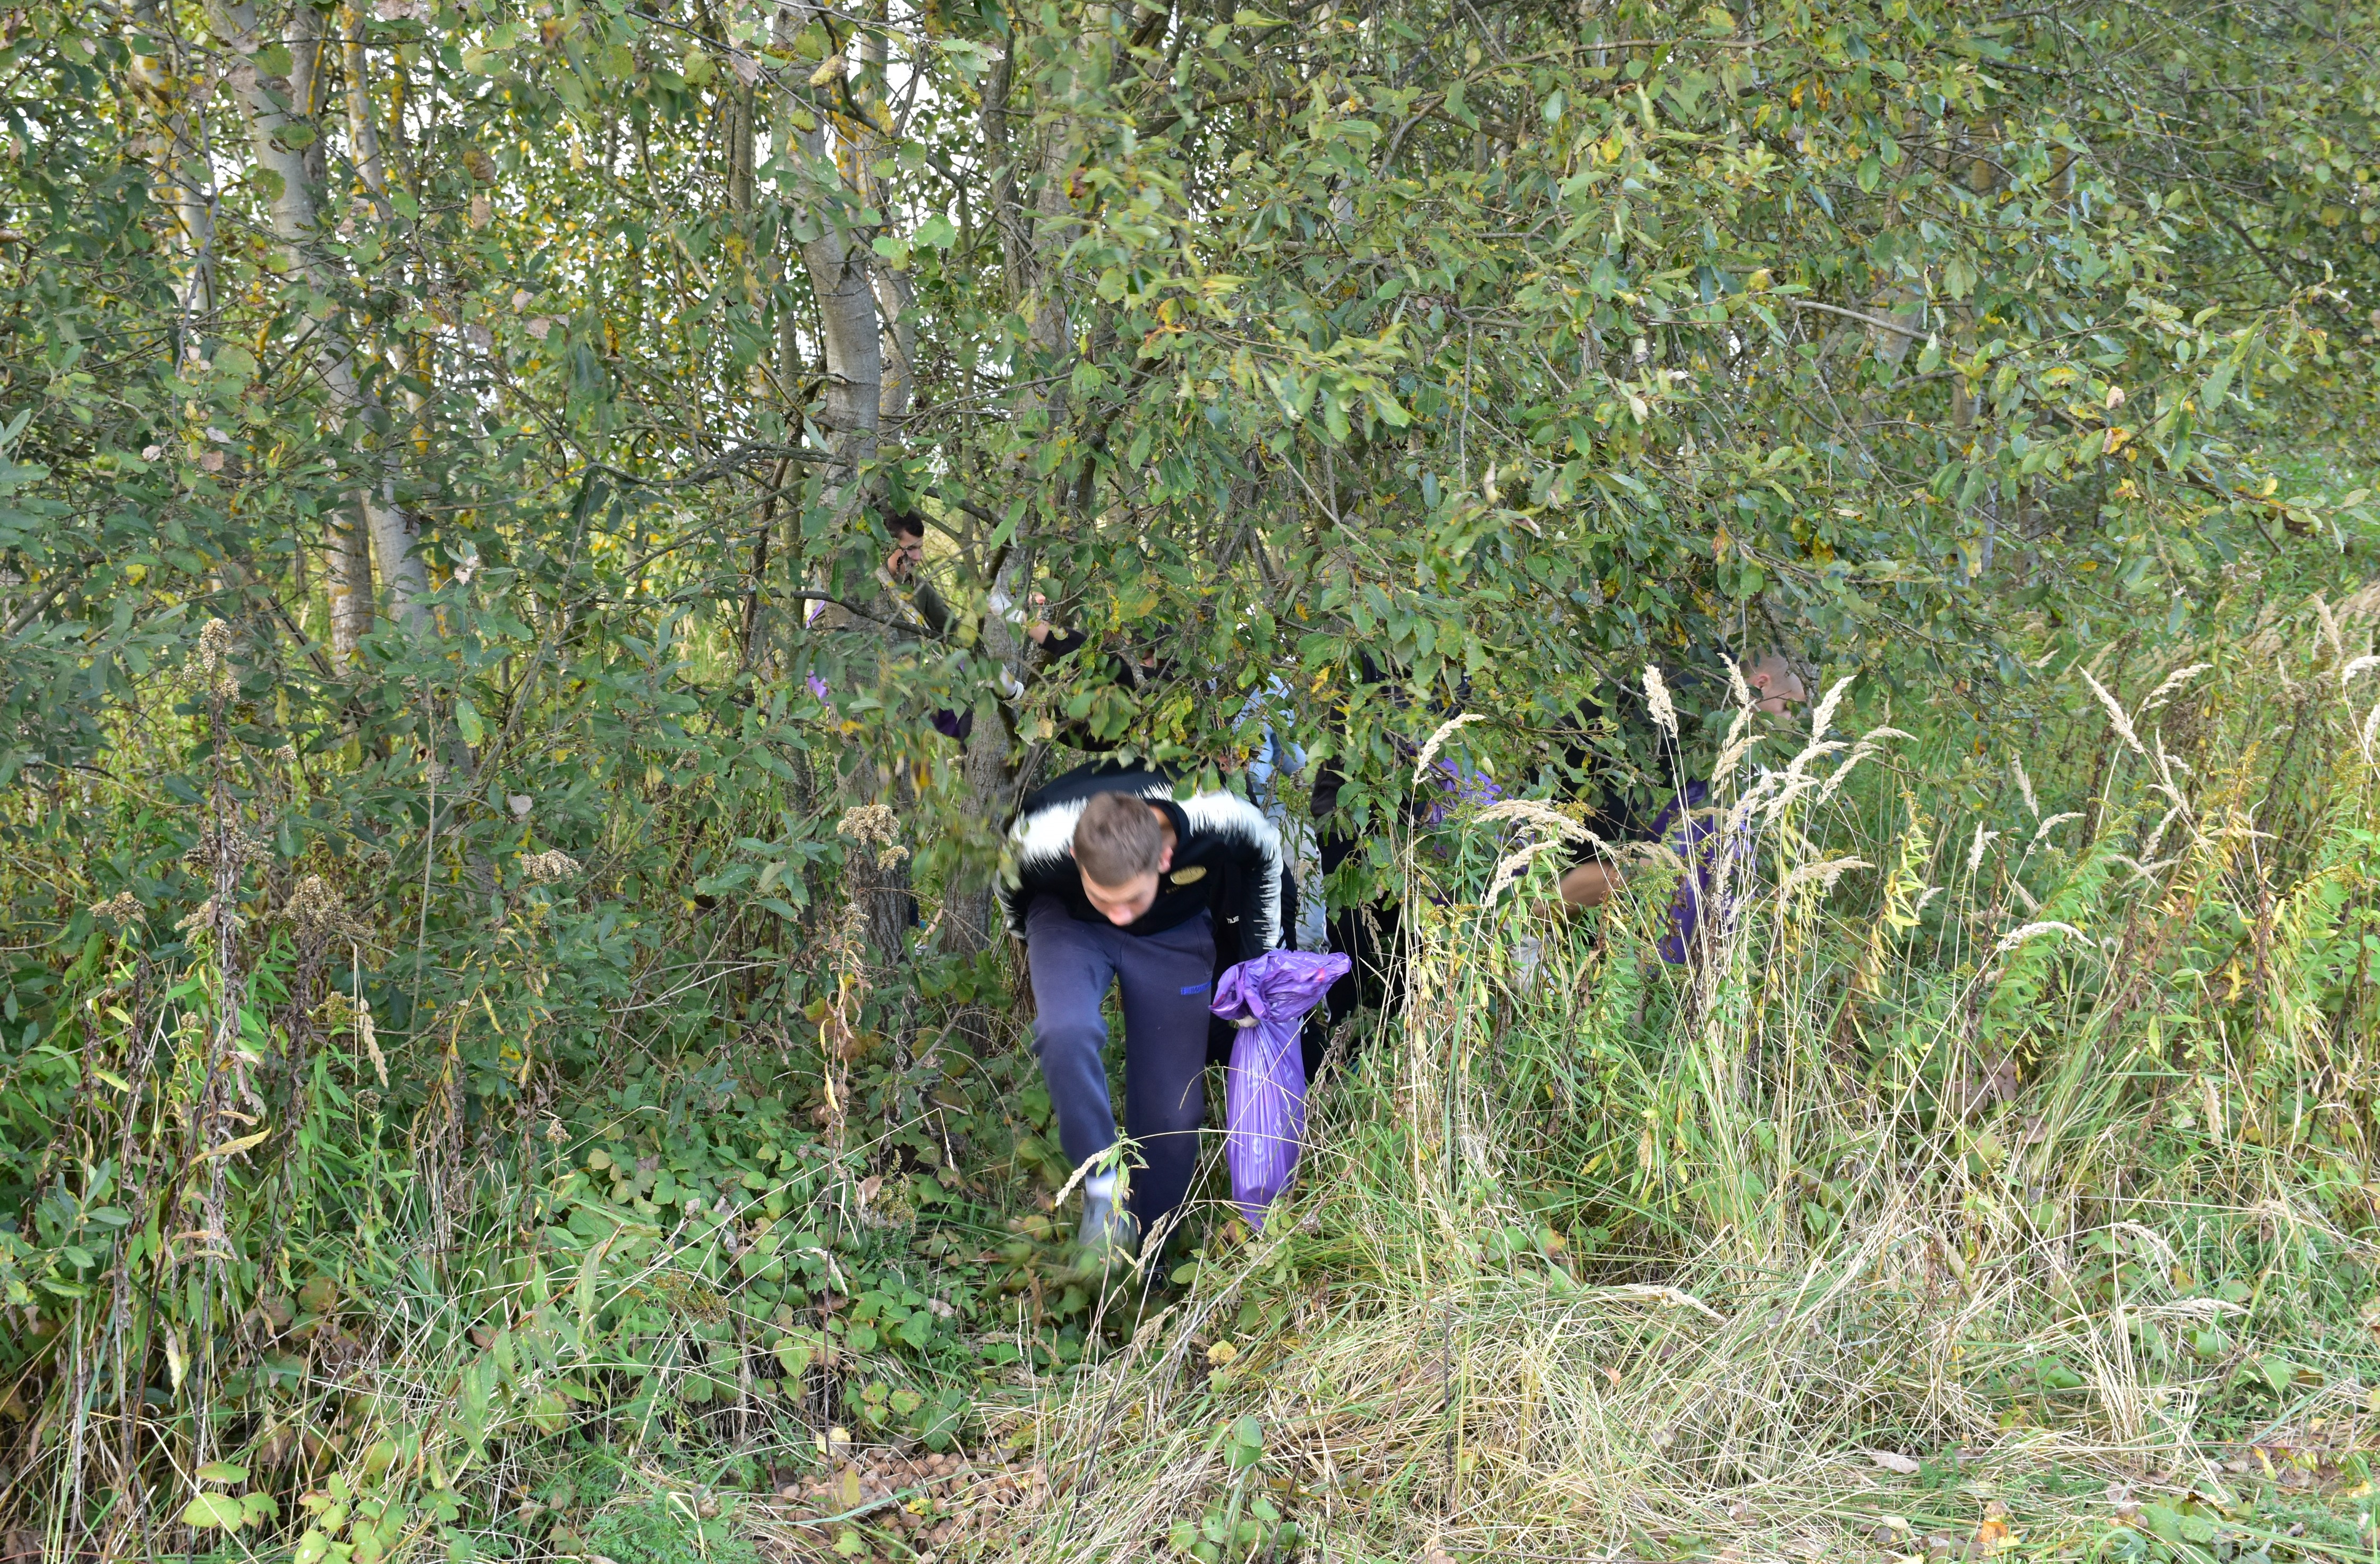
[(1167, 980)]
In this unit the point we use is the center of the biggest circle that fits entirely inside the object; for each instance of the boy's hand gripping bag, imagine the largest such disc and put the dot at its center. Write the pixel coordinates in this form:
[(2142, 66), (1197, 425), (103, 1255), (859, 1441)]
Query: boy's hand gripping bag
[(1264, 1095)]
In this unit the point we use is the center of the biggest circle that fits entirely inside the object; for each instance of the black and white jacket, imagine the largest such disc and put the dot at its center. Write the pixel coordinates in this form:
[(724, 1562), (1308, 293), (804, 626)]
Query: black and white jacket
[(1227, 860)]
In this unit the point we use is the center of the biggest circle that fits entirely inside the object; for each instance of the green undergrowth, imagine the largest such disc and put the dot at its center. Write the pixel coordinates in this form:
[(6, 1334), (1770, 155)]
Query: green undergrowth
[(1995, 1181), (1998, 1182)]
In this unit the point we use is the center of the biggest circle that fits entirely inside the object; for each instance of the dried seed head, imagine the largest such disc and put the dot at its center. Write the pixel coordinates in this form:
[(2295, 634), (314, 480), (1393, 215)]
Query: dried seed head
[(1656, 697), (870, 823), (214, 645), (224, 842), (123, 910), (1446, 730), (1543, 816), (2173, 682), (1825, 873), (876, 826), (2329, 623), (2116, 717), (201, 920), (1823, 718), (544, 868), (368, 1036), (1510, 870), (216, 672), (2016, 937), (315, 908)]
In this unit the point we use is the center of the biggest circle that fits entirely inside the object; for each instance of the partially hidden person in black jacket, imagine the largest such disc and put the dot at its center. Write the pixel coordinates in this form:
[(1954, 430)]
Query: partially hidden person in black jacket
[(1370, 933), (1114, 882)]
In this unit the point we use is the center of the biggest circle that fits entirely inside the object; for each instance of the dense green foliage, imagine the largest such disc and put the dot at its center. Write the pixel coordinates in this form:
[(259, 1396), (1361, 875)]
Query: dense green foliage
[(1999, 1183), (464, 1041)]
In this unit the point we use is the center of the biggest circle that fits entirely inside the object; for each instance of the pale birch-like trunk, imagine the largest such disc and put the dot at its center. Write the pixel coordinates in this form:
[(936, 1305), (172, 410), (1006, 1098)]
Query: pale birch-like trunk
[(349, 573), (265, 105), (838, 268), (181, 162)]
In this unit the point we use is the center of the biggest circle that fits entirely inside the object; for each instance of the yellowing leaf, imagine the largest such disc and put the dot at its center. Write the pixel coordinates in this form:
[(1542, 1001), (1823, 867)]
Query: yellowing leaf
[(233, 1147)]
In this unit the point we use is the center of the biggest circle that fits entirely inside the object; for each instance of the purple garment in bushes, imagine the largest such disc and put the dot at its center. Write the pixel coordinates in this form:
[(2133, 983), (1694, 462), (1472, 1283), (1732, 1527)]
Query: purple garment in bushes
[(1686, 827), (1264, 1094), (1456, 786)]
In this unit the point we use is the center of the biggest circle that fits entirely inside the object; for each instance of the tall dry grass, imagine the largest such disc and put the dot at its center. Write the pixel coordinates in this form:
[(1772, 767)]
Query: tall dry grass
[(1999, 1178)]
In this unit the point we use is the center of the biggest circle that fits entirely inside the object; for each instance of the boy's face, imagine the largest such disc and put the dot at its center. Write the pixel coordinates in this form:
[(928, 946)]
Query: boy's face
[(1123, 905), (1777, 689), (908, 550)]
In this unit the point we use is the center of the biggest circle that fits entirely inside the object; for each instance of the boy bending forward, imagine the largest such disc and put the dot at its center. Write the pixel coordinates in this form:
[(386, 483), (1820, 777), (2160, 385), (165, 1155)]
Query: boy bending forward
[(1117, 883)]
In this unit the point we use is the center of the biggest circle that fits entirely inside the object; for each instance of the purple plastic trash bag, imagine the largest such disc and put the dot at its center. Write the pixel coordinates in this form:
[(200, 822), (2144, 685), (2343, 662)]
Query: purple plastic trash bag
[(1264, 1095)]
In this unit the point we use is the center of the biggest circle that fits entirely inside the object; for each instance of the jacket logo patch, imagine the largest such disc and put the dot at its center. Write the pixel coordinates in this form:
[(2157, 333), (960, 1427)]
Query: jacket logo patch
[(1190, 876)]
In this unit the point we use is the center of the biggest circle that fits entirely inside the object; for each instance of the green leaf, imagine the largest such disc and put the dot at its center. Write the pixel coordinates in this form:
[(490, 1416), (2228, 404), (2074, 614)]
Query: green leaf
[(794, 1355), (222, 1472), (2210, 395), (467, 718), (590, 1271), (214, 1512)]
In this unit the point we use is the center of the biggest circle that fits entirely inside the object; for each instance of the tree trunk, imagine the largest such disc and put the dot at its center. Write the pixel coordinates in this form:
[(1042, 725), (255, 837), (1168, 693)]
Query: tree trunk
[(838, 268), (1031, 244), (349, 573), (181, 165), (296, 207)]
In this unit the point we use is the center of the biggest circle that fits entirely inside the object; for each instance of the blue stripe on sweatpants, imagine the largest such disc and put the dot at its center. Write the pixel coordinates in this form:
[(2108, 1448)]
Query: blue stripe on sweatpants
[(1164, 979)]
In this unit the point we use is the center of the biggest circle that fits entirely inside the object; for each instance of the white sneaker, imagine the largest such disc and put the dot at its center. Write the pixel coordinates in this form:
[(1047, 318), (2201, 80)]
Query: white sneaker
[(1108, 1231)]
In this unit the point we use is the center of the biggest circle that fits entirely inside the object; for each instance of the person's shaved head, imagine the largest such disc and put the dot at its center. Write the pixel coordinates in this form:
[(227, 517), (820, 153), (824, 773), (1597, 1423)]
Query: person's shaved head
[(1775, 686)]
